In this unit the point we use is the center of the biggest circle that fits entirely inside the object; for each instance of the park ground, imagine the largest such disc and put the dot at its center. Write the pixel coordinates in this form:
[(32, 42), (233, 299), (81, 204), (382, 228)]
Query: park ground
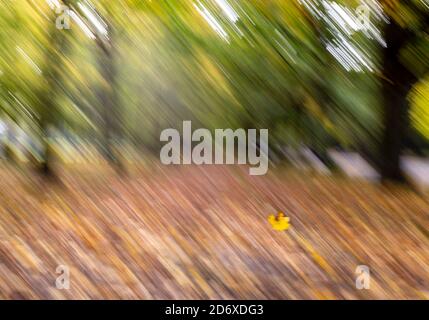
[(191, 232)]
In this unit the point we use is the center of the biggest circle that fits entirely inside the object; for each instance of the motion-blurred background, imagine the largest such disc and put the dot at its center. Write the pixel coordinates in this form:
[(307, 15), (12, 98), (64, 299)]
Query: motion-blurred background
[(318, 74), (339, 84)]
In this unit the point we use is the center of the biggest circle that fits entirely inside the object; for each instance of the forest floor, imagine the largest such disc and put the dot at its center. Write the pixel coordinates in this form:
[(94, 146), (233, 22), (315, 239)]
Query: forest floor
[(202, 232)]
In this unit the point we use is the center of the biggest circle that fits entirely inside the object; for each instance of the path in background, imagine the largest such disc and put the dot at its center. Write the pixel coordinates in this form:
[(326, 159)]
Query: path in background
[(202, 232)]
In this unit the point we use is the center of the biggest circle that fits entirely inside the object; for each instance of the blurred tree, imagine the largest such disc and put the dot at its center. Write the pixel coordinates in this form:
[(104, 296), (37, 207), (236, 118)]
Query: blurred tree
[(403, 25), (104, 30), (48, 94), (408, 20)]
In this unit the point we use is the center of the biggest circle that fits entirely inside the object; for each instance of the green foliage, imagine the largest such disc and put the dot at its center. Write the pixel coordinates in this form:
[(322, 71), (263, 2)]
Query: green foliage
[(250, 64)]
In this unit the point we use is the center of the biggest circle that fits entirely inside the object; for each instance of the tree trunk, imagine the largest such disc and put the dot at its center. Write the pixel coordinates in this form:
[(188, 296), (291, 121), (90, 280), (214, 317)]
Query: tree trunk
[(48, 112), (109, 99), (396, 85)]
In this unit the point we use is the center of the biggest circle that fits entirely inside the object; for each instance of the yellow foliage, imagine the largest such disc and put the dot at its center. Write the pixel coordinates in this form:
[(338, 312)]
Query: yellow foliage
[(419, 109)]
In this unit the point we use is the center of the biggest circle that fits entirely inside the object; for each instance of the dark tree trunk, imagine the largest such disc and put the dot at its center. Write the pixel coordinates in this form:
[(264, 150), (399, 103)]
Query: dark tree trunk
[(48, 113), (46, 165), (396, 85), (109, 99)]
